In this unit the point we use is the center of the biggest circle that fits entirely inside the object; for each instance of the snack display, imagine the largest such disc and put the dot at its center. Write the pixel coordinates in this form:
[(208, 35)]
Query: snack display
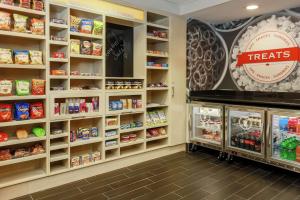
[(86, 47), (111, 121), (75, 23), (8, 154), (36, 57), (125, 104), (21, 111), (57, 21), (109, 143), (5, 21), (133, 124), (85, 159), (159, 34), (58, 55), (39, 132), (96, 49), (5, 112), (86, 26), (127, 84), (37, 5), (58, 72), (83, 133), (21, 133), (38, 87), (6, 56), (155, 117), (37, 26), (8, 2), (6, 87), (22, 87), (21, 57), (157, 85), (20, 23), (128, 138), (75, 46), (155, 64), (24, 3), (3, 137), (37, 110), (74, 106), (111, 133), (158, 53), (98, 27)]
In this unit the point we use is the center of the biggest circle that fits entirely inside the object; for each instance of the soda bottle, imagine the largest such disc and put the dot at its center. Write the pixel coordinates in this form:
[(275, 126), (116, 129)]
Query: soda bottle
[(258, 144), (252, 142), (292, 124), (242, 141), (247, 142), (298, 153)]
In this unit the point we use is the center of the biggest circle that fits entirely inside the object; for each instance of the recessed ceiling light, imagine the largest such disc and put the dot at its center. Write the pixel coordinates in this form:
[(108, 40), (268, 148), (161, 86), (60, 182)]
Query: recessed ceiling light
[(252, 7)]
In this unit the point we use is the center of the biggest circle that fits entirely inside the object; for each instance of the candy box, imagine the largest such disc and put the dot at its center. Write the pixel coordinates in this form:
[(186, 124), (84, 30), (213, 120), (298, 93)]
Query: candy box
[(96, 156), (75, 161), (86, 159), (94, 132)]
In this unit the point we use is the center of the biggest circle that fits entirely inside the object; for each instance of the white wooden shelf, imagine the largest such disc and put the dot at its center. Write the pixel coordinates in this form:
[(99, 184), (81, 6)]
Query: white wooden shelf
[(58, 26), (157, 55), (90, 164), (18, 66), (77, 116), (86, 77), (158, 68), (112, 137), (91, 140), (131, 130), (137, 141), (58, 135), (23, 122), (125, 111), (156, 138), (58, 145), (58, 43), (157, 88), (22, 35), (86, 56), (59, 156), (61, 60), (23, 10), (157, 106), (23, 159), (58, 77), (57, 169), (111, 128), (85, 35), (29, 97), (112, 147), (157, 126), (15, 141), (156, 147), (157, 39), (157, 26)]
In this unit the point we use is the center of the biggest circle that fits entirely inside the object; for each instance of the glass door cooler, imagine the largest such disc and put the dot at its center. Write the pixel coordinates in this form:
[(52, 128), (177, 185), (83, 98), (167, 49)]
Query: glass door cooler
[(284, 139), (245, 131), (206, 124)]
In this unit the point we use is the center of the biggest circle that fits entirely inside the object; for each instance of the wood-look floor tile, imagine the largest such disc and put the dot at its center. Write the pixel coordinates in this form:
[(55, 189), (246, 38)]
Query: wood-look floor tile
[(225, 192), (196, 195), (159, 192), (170, 196), (290, 193), (108, 175), (62, 195), (143, 170), (130, 180), (90, 193), (166, 181), (133, 194), (234, 197), (266, 194), (26, 197)]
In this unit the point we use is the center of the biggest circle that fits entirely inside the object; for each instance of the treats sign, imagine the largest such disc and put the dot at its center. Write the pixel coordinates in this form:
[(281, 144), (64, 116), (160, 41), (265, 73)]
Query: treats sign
[(270, 57)]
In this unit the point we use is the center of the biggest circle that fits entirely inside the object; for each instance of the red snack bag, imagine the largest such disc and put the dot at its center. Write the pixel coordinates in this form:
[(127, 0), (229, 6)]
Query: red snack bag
[(3, 136), (38, 5), (5, 112), (38, 87), (58, 55), (25, 3), (37, 26), (8, 2), (37, 110)]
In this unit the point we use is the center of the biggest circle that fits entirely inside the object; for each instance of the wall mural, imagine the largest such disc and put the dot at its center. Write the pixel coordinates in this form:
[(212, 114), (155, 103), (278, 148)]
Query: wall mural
[(264, 54)]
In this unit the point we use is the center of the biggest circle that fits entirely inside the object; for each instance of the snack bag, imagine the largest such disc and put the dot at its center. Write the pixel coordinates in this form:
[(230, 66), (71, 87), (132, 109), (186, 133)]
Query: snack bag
[(37, 110), (74, 22), (36, 57), (6, 56), (37, 26), (21, 57), (24, 3), (5, 21), (86, 26), (21, 111), (20, 24), (6, 87), (98, 27), (37, 87), (5, 112), (75, 46), (39, 132), (86, 47), (97, 49), (22, 87), (38, 5), (7, 2)]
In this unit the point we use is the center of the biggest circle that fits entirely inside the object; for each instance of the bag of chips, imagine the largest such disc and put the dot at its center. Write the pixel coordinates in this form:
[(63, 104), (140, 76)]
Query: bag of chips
[(20, 24), (5, 112), (37, 5), (36, 57), (86, 47), (97, 49), (22, 111), (7, 2), (37, 26), (38, 87), (24, 3), (22, 87), (86, 26), (6, 87), (37, 110), (6, 56), (98, 27), (21, 57), (5, 21), (75, 46), (74, 22)]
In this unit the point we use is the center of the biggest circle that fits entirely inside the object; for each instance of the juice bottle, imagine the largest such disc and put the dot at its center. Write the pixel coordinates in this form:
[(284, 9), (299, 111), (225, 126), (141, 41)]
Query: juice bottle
[(292, 124), (298, 153), (298, 127)]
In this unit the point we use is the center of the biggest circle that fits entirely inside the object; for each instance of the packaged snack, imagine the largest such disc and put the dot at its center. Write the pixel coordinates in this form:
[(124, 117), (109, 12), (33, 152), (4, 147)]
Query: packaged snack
[(74, 22), (21, 111), (5, 21), (37, 26), (96, 156), (5, 87), (162, 131), (75, 46), (20, 23), (58, 72), (37, 110), (162, 116), (37, 5), (57, 21), (97, 49), (5, 112), (85, 133), (5, 155), (98, 27), (37, 149), (3, 137), (36, 57), (24, 3), (21, 133), (73, 136), (6, 56), (39, 132), (22, 87), (94, 132), (75, 161), (38, 87), (21, 57), (86, 159), (86, 47), (58, 55), (7, 2), (86, 26)]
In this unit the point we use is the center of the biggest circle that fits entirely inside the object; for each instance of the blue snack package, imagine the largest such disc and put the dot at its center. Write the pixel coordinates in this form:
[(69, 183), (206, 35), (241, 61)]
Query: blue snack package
[(86, 26), (22, 111), (94, 132)]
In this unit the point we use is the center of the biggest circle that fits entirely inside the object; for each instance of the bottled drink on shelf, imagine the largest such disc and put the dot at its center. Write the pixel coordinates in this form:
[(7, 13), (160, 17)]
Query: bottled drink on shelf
[(283, 123), (298, 153), (298, 127), (292, 124)]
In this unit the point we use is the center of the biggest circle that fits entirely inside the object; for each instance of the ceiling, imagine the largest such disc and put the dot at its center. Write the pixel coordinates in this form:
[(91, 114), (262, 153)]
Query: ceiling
[(213, 10)]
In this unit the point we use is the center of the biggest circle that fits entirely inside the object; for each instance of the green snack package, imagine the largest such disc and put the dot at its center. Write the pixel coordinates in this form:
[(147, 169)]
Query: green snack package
[(98, 27), (22, 87), (38, 132)]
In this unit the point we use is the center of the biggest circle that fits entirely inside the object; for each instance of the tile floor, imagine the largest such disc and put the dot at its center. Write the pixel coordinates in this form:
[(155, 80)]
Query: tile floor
[(183, 176)]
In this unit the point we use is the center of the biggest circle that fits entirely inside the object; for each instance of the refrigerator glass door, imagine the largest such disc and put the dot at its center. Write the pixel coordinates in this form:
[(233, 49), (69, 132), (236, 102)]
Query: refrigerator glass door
[(207, 124), (285, 138), (245, 130)]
